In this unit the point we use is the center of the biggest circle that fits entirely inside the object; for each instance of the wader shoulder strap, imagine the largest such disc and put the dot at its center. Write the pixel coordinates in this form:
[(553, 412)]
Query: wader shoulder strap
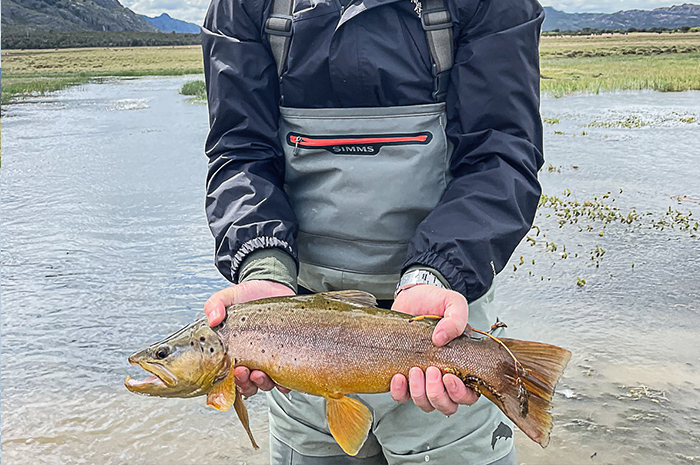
[(279, 31), (435, 19), (437, 24)]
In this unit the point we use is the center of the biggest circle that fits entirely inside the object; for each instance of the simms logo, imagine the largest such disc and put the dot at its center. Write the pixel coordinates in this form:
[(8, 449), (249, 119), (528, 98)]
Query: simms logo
[(356, 145), (343, 149)]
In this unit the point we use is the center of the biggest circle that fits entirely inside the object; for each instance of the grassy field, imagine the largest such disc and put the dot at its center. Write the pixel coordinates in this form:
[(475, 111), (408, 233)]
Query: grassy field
[(664, 62), (27, 72), (592, 64)]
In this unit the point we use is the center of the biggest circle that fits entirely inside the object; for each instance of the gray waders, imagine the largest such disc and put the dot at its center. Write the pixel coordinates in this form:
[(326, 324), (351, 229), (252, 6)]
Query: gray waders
[(360, 181)]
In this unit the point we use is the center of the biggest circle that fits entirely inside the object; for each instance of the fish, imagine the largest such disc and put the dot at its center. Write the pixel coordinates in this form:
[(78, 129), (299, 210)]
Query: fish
[(333, 344)]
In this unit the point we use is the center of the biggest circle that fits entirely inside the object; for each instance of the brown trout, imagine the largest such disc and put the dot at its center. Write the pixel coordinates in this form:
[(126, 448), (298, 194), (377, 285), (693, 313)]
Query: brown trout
[(337, 343)]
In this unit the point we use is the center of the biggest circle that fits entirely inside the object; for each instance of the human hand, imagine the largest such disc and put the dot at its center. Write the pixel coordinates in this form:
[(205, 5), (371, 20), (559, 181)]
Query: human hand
[(432, 390), (215, 308)]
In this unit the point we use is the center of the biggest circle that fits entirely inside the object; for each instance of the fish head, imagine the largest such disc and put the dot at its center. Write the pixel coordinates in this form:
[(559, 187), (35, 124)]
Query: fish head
[(185, 364)]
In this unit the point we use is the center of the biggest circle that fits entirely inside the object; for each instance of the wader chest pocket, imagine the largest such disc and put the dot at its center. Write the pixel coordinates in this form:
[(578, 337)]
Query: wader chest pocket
[(360, 181)]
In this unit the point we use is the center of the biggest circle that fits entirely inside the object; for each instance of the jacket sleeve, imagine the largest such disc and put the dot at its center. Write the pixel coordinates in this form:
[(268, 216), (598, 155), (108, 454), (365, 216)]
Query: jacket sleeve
[(246, 205), (495, 127)]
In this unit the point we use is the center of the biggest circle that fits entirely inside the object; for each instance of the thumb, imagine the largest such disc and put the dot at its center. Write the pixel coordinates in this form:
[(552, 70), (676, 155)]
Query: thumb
[(454, 322), (215, 306)]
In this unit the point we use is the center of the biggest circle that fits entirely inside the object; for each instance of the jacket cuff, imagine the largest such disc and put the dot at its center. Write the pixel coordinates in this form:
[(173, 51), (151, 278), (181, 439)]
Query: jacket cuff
[(258, 243), (270, 265)]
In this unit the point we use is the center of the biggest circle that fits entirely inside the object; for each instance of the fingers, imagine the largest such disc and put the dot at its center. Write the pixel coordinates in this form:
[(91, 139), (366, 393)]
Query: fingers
[(458, 392), (454, 321), (432, 300), (432, 391), (246, 386), (262, 380), (416, 383), (250, 381), (399, 388), (436, 393), (215, 307)]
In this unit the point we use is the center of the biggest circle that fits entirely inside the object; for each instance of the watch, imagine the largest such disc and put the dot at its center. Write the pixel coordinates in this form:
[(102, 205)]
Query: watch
[(416, 278)]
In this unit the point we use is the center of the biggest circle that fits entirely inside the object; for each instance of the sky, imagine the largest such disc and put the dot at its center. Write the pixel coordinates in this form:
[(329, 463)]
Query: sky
[(194, 10)]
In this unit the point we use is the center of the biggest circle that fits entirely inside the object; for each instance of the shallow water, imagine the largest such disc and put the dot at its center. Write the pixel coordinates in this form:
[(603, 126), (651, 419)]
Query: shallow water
[(105, 247)]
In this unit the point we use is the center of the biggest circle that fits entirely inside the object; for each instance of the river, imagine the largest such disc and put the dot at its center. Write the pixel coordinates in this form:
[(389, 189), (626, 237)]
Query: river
[(104, 247)]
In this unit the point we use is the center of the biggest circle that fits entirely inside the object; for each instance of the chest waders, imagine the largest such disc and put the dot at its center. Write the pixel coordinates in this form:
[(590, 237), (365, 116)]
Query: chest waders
[(360, 181)]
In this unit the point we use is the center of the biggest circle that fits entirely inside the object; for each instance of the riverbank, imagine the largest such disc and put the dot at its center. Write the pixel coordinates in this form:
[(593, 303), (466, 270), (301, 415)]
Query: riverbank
[(37, 72), (590, 64)]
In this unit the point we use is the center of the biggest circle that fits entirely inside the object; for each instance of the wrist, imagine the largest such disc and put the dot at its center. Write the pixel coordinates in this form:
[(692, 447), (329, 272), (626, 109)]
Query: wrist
[(420, 275), (269, 265)]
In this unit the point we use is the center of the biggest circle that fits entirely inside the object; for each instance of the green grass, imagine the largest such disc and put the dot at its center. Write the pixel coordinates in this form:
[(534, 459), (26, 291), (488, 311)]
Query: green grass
[(197, 89), (36, 72), (37, 86), (664, 73), (581, 64)]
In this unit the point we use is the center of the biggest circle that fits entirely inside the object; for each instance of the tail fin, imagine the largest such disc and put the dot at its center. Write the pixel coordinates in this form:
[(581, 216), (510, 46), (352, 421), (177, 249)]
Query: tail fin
[(527, 399)]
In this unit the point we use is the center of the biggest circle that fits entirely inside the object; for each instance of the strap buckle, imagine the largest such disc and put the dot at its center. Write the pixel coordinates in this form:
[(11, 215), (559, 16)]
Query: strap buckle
[(441, 82), (279, 25), (437, 18)]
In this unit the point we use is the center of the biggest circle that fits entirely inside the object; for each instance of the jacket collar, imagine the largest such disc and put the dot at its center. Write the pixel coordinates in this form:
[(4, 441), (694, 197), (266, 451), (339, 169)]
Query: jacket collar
[(360, 6)]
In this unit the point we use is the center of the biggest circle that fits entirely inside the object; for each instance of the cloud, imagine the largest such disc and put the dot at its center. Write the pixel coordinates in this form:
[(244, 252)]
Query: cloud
[(607, 6), (194, 10), (186, 10)]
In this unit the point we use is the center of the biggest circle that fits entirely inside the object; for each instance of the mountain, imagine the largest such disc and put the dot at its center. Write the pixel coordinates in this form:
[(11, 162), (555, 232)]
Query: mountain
[(670, 17), (165, 23), (72, 15)]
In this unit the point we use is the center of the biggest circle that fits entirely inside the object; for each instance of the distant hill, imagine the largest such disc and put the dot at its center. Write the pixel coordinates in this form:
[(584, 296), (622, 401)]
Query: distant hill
[(72, 15), (165, 23), (670, 17)]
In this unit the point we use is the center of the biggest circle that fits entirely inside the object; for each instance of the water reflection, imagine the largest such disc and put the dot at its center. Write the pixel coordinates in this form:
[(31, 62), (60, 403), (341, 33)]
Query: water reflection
[(105, 247)]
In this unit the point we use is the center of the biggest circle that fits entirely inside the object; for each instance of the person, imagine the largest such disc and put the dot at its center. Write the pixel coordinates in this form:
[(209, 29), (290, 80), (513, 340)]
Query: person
[(360, 144)]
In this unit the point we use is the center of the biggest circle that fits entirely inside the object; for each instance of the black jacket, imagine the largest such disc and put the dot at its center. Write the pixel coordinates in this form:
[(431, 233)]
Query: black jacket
[(379, 57)]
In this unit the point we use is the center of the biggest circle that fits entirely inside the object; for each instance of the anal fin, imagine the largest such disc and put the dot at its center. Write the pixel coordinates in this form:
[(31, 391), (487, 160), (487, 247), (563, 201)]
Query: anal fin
[(349, 421)]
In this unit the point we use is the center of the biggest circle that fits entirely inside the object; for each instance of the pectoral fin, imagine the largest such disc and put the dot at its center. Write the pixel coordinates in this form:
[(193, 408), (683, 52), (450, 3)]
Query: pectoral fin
[(223, 393), (349, 421), (243, 416)]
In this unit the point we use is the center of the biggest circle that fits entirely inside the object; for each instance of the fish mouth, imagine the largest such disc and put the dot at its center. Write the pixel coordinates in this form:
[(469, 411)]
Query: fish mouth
[(161, 379)]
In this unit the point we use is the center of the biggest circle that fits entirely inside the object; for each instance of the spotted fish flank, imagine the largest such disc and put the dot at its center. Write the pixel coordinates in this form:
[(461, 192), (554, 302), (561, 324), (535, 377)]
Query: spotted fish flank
[(338, 343)]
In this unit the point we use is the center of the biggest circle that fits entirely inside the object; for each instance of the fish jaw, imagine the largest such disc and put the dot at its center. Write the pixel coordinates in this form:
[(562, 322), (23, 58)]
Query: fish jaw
[(160, 382), (185, 364)]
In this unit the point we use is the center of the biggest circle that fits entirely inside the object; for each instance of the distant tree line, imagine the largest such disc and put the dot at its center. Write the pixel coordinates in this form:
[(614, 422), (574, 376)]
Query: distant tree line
[(587, 31), (41, 39)]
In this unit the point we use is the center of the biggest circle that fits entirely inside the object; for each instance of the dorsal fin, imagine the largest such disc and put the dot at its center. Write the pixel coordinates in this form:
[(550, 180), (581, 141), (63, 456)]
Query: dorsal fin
[(354, 297)]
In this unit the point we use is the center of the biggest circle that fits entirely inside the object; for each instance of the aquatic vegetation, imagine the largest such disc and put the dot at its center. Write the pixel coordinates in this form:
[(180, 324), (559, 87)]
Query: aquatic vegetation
[(594, 216), (550, 121), (12, 89), (644, 392), (36, 72), (196, 89), (629, 122)]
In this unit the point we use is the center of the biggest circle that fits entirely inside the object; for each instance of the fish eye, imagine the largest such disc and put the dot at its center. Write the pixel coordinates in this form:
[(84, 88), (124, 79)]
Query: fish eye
[(162, 352)]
